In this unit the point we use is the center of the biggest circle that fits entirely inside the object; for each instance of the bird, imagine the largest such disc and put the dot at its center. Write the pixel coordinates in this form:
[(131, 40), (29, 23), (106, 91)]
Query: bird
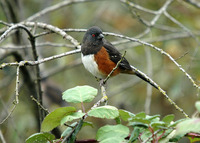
[(99, 57)]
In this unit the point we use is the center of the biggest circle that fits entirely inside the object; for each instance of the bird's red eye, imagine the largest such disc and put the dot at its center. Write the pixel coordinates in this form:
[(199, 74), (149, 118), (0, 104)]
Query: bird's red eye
[(93, 35)]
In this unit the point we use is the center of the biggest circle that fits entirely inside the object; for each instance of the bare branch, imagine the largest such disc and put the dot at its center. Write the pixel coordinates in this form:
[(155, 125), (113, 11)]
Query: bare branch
[(40, 105), (194, 3), (159, 50), (117, 65), (2, 137), (16, 101), (49, 44), (56, 30), (53, 8), (32, 63)]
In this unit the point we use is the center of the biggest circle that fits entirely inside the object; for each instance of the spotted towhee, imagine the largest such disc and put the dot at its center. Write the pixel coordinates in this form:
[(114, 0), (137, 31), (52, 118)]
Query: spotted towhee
[(100, 57)]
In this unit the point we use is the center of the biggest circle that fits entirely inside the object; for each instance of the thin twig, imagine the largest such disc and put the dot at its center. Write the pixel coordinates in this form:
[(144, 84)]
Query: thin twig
[(38, 80), (161, 91), (147, 104), (56, 30), (2, 137), (156, 132), (53, 8), (139, 7), (33, 63), (117, 65), (181, 25), (16, 101), (194, 3), (45, 44), (40, 105)]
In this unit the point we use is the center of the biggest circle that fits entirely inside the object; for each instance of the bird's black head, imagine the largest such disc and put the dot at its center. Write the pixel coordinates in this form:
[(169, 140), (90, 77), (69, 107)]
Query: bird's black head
[(93, 36)]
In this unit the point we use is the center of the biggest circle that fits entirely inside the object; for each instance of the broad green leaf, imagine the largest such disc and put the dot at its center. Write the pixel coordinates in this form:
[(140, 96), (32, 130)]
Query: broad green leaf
[(138, 124), (188, 126), (73, 116), (40, 138), (108, 112), (113, 140), (153, 118), (173, 124), (158, 125), (140, 120), (135, 134), (197, 105), (86, 123), (141, 115), (145, 135), (108, 132), (167, 119), (80, 94), (53, 119), (125, 115)]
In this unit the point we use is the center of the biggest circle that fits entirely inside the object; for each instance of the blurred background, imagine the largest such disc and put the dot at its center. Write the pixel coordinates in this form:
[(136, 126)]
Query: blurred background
[(175, 30)]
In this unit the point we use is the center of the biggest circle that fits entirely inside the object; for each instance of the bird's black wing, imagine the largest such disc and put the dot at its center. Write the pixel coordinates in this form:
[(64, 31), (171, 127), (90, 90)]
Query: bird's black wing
[(116, 56)]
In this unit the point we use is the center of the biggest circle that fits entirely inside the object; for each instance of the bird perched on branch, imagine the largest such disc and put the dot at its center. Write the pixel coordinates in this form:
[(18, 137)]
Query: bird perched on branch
[(99, 57)]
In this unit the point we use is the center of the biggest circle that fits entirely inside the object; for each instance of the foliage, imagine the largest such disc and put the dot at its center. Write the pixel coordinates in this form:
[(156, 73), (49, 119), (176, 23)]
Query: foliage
[(135, 127)]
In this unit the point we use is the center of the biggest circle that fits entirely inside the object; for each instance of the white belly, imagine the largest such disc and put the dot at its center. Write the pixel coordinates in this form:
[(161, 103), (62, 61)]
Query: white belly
[(90, 64)]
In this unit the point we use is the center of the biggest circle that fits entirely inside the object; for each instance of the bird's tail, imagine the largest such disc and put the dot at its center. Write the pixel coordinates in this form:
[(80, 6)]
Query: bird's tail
[(143, 77)]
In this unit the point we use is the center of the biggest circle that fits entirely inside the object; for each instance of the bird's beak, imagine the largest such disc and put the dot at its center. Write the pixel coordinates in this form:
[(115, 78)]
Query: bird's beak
[(100, 36)]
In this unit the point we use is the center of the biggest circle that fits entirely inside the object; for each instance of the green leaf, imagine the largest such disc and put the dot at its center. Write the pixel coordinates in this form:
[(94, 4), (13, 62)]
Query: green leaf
[(86, 123), (173, 124), (135, 134), (118, 121), (53, 119), (157, 125), (40, 138), (153, 118), (140, 120), (167, 119), (80, 94), (125, 115), (188, 126), (113, 140), (197, 105), (141, 115), (74, 134), (138, 124), (112, 133), (108, 112), (73, 116)]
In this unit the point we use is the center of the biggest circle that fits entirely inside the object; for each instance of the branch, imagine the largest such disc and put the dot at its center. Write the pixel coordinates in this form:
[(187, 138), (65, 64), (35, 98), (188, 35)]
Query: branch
[(194, 3), (49, 44), (117, 65), (56, 30), (159, 50), (38, 83), (2, 137), (16, 101), (40, 105), (53, 8), (32, 63)]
